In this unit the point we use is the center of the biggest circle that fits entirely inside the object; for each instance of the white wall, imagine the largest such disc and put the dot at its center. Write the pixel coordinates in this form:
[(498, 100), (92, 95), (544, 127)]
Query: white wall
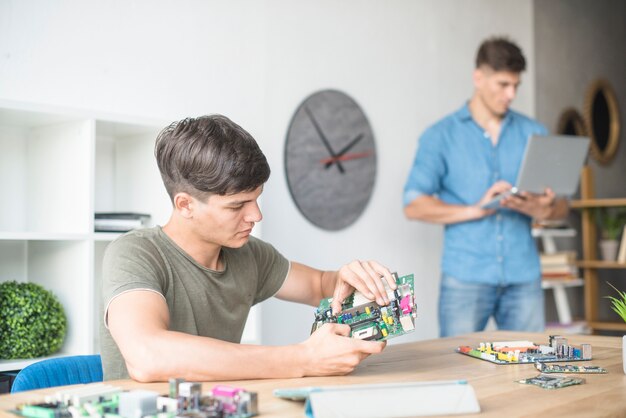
[(407, 63), (157, 59)]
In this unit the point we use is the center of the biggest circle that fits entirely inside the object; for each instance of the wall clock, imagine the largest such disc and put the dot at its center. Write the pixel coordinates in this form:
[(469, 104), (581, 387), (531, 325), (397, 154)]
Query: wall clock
[(330, 159)]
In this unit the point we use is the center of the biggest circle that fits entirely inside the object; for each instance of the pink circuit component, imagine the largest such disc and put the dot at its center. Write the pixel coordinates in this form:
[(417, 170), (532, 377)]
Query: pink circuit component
[(228, 395), (405, 304)]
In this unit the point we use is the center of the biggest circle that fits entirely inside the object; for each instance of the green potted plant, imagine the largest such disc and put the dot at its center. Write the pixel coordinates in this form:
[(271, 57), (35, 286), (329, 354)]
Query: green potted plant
[(32, 321), (611, 221), (619, 306)]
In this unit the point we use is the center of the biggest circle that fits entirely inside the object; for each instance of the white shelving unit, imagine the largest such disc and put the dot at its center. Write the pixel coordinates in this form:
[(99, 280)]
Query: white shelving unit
[(547, 236), (57, 168)]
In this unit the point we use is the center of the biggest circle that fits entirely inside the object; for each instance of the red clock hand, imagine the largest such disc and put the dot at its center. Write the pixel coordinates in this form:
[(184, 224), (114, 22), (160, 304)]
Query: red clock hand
[(347, 157), (337, 157)]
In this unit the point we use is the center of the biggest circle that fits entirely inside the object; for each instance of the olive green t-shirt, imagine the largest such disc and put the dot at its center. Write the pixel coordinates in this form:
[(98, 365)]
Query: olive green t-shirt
[(201, 301)]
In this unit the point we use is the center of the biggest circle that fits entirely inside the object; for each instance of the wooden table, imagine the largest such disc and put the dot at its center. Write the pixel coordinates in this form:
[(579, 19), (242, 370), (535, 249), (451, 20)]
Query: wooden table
[(498, 393)]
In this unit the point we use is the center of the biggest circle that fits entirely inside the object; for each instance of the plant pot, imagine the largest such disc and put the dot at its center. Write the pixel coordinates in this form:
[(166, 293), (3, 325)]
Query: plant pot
[(608, 249)]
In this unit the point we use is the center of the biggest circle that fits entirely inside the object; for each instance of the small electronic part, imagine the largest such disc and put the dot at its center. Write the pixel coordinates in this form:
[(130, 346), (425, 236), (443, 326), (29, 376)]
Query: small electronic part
[(367, 333), (173, 386), (186, 400), (236, 401), (43, 410), (586, 348), (83, 393), (523, 352), (370, 321), (136, 403), (189, 394), (552, 382), (568, 368)]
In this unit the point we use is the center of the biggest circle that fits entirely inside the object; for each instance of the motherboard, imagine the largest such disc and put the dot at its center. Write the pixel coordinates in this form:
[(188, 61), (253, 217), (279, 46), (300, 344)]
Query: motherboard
[(370, 321), (523, 352)]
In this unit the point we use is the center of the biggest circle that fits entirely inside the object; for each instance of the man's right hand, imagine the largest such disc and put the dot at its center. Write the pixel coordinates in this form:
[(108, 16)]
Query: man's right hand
[(330, 352), (497, 188)]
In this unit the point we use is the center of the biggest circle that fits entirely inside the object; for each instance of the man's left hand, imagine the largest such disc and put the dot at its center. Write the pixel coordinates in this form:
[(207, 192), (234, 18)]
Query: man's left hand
[(537, 206), (364, 276)]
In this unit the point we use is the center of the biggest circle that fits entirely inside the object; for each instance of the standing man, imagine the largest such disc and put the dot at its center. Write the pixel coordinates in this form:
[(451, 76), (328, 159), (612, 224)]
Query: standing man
[(177, 297), (490, 265)]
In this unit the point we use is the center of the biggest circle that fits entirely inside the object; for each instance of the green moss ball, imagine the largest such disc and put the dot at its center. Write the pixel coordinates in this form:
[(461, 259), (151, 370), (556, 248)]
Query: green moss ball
[(32, 321)]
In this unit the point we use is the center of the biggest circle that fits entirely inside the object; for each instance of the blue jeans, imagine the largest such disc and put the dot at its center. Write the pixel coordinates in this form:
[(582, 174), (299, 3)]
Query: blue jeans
[(466, 307)]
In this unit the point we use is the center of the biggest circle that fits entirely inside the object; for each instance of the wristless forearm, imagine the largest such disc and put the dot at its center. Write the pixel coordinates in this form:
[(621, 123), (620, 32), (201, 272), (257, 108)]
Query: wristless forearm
[(430, 209), (202, 359)]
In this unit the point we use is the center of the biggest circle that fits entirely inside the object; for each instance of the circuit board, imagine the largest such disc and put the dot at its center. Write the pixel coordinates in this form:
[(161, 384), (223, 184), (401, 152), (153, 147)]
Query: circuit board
[(370, 321), (569, 368), (524, 352), (552, 382)]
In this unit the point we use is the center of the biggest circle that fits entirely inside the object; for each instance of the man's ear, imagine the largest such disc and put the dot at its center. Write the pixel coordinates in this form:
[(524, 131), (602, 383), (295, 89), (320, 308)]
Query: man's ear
[(184, 204), (477, 77)]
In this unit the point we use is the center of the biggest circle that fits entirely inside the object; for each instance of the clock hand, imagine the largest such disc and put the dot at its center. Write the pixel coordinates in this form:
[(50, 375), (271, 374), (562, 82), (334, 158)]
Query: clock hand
[(323, 138), (344, 150), (346, 157)]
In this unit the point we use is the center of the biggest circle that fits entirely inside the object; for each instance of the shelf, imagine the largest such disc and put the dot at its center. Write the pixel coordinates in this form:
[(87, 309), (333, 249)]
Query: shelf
[(599, 264), (18, 364), (596, 203), (608, 326), (106, 236), (553, 232), (41, 236), (591, 267), (574, 327), (59, 167), (553, 283)]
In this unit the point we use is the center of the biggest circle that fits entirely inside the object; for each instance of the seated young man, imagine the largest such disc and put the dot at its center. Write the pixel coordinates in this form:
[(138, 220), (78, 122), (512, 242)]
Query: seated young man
[(177, 296)]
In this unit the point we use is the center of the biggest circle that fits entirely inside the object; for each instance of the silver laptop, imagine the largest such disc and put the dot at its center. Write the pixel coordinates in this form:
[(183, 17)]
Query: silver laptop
[(549, 161)]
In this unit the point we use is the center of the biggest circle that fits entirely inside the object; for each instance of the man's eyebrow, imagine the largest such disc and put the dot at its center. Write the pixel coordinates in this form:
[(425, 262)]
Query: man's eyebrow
[(238, 202), (242, 201)]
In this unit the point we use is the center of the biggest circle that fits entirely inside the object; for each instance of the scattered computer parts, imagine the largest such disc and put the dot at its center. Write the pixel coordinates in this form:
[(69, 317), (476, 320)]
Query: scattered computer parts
[(523, 352), (184, 399), (370, 321)]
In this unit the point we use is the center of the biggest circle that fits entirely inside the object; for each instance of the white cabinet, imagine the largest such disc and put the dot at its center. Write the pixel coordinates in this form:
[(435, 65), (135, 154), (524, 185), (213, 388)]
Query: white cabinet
[(57, 168)]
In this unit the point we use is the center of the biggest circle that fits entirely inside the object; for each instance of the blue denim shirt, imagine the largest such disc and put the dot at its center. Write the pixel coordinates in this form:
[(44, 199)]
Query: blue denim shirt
[(457, 162)]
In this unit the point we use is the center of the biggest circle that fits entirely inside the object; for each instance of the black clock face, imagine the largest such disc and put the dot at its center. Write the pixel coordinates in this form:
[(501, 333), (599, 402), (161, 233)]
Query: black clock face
[(330, 159)]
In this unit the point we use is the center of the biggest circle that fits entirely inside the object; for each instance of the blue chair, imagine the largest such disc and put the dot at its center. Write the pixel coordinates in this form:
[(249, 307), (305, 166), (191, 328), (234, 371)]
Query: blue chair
[(60, 371)]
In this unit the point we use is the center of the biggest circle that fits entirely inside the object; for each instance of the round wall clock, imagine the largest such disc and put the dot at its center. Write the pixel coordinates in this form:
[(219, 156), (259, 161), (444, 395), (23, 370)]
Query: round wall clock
[(330, 159)]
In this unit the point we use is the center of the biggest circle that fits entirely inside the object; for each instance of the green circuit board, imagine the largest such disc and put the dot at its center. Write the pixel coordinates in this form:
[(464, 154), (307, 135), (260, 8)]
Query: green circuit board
[(370, 321), (569, 368), (552, 382)]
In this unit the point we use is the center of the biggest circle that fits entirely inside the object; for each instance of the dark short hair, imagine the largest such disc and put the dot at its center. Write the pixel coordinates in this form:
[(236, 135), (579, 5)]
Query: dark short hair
[(209, 155), (501, 55)]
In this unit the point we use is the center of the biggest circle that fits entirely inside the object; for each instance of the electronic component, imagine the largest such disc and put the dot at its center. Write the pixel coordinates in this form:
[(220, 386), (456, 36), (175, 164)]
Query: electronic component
[(236, 401), (370, 321), (568, 368), (522, 352), (552, 382), (135, 403), (186, 399)]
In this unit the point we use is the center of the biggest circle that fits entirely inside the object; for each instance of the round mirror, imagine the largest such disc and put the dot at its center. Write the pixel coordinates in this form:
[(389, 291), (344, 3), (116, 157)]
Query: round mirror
[(571, 123), (602, 116)]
